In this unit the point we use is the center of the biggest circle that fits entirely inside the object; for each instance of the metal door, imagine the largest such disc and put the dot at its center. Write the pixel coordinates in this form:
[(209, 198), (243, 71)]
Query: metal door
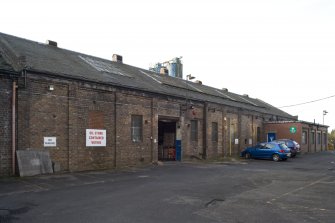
[(178, 150), (271, 136)]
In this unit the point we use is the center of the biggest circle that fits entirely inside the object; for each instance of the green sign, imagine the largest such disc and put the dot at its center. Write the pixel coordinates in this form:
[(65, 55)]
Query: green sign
[(293, 129)]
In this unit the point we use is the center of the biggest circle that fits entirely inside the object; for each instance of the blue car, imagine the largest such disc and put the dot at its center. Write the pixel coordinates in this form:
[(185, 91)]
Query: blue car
[(268, 150)]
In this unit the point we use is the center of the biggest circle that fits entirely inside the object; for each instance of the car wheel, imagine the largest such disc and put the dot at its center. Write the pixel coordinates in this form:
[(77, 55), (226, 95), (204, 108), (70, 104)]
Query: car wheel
[(247, 155), (275, 157)]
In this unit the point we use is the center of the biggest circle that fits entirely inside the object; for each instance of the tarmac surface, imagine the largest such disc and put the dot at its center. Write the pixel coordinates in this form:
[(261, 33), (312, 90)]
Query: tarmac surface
[(300, 189)]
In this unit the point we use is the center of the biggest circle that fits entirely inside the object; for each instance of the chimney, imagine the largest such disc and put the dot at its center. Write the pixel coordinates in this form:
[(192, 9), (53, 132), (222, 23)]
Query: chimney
[(51, 43), (117, 58), (164, 71)]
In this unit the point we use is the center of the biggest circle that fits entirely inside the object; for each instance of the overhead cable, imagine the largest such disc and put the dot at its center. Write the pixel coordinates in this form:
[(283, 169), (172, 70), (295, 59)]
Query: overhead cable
[(286, 106)]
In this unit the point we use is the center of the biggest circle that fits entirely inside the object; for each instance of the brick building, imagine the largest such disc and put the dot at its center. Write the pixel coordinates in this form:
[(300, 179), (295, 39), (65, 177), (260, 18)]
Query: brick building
[(91, 113), (312, 137)]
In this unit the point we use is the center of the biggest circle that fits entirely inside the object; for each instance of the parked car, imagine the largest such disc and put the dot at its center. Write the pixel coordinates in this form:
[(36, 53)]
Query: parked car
[(268, 150), (293, 145)]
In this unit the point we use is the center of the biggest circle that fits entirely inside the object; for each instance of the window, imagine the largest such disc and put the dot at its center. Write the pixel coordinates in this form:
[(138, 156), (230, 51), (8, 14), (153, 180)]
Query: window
[(194, 130), (312, 137), (269, 146), (324, 138), (214, 131), (136, 128), (318, 140), (283, 146), (304, 137)]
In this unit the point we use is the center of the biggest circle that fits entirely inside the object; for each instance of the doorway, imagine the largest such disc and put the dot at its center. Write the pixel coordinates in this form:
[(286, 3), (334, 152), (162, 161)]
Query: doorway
[(167, 140), (271, 136)]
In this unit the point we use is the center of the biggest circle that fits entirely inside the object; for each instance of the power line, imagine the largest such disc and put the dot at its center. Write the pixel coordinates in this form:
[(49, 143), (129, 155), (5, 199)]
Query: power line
[(286, 106)]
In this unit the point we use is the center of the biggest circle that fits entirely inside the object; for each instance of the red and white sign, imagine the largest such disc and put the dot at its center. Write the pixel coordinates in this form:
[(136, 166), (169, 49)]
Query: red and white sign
[(95, 137)]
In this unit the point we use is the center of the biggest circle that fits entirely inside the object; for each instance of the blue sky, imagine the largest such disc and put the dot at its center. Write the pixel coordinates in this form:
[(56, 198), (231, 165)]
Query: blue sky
[(282, 52)]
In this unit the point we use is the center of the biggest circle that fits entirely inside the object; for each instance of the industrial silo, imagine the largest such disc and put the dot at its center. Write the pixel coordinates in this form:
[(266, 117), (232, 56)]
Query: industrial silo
[(175, 68)]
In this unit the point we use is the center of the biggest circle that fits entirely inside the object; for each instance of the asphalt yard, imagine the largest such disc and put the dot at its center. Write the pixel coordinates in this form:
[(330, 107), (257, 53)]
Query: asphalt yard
[(298, 190)]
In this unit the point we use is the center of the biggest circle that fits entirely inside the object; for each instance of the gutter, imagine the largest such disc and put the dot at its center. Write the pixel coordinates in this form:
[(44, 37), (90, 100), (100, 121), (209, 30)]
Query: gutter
[(13, 126)]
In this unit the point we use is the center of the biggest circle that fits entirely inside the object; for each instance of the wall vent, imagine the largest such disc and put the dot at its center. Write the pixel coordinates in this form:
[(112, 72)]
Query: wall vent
[(117, 58), (52, 43)]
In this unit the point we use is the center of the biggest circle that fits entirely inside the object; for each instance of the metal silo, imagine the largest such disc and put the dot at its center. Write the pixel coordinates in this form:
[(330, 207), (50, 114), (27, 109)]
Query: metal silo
[(175, 68)]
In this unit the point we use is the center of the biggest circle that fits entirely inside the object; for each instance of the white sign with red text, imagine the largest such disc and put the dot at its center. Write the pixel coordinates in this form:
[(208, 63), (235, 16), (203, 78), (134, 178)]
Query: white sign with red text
[(95, 137)]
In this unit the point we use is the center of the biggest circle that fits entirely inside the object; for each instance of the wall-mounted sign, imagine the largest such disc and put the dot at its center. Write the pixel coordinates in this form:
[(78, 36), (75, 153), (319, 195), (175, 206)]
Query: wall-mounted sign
[(50, 141), (293, 129), (95, 137), (236, 141)]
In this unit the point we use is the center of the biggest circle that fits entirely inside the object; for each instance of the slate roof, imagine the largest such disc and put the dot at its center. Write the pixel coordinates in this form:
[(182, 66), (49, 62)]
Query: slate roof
[(25, 54)]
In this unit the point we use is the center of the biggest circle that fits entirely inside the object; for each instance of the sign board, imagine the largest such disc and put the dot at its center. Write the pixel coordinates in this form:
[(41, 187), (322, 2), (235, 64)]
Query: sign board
[(50, 141), (95, 137), (293, 129), (236, 141)]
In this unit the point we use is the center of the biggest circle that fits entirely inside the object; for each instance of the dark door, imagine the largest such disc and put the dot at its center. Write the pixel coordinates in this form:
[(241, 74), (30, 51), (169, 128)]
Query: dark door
[(271, 136)]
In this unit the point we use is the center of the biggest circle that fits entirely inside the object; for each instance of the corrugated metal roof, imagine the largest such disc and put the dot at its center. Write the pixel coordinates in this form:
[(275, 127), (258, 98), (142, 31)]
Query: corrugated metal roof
[(45, 58)]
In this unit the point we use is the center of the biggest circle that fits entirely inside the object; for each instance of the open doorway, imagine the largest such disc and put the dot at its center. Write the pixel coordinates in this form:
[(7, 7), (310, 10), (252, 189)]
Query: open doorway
[(167, 140)]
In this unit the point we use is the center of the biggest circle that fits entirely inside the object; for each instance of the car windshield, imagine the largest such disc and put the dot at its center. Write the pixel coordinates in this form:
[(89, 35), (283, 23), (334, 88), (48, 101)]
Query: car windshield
[(283, 146), (290, 143)]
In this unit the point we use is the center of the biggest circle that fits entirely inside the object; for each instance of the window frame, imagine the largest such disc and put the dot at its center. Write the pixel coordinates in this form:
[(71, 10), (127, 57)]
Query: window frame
[(304, 137), (215, 132), (194, 130), (324, 138), (318, 138), (312, 138), (136, 128)]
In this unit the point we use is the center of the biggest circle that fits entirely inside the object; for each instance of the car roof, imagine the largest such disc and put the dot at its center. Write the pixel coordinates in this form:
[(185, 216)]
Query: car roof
[(283, 140)]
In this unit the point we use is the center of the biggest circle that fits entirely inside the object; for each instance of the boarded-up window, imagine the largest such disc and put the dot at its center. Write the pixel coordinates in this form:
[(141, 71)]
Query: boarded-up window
[(312, 140), (136, 128), (319, 138), (194, 130), (96, 120), (304, 137), (214, 131)]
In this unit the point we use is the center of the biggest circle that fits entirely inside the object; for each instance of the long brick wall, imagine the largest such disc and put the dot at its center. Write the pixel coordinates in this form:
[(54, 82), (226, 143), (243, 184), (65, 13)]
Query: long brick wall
[(74, 106), (5, 126)]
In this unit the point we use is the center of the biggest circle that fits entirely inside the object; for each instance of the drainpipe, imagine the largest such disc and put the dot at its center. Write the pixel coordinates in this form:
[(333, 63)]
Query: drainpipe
[(152, 130), (115, 129), (204, 132), (13, 127)]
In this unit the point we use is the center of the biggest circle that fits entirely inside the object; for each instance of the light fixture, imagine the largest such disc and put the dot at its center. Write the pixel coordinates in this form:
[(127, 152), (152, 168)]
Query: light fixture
[(323, 117), (51, 87)]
